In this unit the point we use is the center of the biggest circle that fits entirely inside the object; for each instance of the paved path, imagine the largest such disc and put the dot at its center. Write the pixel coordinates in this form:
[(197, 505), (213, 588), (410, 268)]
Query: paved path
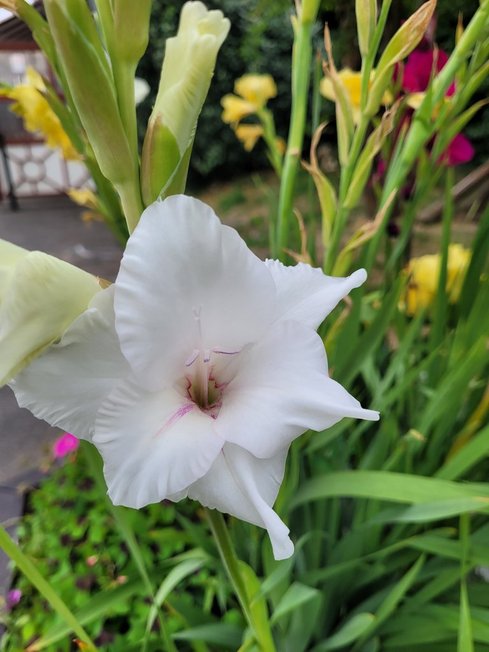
[(52, 225)]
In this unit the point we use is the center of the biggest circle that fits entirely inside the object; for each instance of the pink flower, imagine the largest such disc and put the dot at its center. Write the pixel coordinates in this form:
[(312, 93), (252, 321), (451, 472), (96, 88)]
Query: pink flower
[(65, 445), (13, 598), (420, 67), (459, 151)]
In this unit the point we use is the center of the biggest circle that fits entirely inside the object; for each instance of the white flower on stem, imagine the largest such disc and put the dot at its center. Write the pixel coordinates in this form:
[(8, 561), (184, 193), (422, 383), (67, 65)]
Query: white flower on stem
[(196, 377)]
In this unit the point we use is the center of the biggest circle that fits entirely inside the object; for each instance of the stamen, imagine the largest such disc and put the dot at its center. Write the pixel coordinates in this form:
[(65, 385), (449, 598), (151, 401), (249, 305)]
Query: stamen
[(222, 352), (190, 361)]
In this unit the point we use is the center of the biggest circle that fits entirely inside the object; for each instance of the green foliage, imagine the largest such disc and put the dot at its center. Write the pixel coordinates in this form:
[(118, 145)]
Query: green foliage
[(72, 537)]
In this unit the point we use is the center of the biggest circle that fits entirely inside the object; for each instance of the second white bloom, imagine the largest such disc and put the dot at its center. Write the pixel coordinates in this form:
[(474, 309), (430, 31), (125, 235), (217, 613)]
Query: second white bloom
[(197, 369)]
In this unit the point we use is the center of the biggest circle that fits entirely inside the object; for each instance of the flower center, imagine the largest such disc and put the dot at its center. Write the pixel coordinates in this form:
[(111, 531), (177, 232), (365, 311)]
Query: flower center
[(202, 387)]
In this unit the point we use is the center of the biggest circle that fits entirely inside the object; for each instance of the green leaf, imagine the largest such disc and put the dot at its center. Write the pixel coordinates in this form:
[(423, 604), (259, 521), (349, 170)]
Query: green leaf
[(384, 485), (392, 599), (27, 567), (258, 607), (217, 634), (174, 577), (296, 596), (99, 606), (349, 633)]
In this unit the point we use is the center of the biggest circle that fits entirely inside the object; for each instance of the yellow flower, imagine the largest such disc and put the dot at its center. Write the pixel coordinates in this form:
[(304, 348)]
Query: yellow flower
[(352, 81), (38, 116), (257, 89), (235, 108), (252, 93), (248, 135), (423, 276), (84, 197)]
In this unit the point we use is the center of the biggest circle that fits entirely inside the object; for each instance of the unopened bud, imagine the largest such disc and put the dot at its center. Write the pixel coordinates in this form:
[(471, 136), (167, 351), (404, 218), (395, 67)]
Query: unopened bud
[(188, 67)]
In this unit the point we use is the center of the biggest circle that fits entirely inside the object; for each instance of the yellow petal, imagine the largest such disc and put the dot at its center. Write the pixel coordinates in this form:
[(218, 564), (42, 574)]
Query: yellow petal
[(235, 109), (423, 278), (84, 197), (248, 135), (256, 89)]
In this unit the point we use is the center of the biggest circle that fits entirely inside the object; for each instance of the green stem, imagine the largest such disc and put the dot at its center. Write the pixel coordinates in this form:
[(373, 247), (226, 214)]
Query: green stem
[(231, 566), (132, 205), (229, 560), (301, 68), (422, 127), (124, 73), (270, 137), (342, 214), (26, 566), (368, 62)]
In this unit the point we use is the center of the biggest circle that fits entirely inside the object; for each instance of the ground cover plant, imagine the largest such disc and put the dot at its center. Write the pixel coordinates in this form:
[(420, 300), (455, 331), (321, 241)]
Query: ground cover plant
[(388, 520)]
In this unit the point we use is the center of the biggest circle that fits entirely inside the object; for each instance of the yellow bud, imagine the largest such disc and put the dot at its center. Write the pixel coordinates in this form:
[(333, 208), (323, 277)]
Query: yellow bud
[(40, 296)]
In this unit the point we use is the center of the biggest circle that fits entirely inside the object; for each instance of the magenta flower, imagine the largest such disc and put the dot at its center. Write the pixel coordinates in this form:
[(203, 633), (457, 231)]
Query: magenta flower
[(420, 67), (459, 151), (65, 445), (13, 598)]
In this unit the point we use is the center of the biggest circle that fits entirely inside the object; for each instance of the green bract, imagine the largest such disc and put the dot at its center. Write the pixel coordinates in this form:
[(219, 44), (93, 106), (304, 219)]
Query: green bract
[(40, 296)]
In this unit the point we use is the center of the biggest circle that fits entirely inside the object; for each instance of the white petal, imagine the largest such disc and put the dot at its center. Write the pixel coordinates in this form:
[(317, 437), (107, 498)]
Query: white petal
[(281, 389), (154, 444), (307, 295), (180, 263), (246, 487), (67, 384)]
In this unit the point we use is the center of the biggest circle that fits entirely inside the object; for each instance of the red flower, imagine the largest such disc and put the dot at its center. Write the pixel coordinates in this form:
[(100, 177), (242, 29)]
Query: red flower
[(420, 67), (459, 151)]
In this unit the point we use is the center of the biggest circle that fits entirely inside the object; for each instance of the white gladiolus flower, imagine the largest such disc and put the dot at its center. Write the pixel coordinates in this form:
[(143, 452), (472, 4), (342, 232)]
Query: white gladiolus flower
[(196, 370)]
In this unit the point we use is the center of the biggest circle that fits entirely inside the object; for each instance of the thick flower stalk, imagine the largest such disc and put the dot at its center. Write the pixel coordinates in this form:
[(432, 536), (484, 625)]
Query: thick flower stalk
[(196, 370), (40, 296), (190, 58)]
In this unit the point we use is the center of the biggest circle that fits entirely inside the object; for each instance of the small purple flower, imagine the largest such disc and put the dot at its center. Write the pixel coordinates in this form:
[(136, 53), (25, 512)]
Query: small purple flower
[(13, 598), (65, 445)]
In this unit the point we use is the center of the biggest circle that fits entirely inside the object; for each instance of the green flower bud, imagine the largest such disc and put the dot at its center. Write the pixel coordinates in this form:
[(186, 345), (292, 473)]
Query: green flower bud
[(131, 29), (190, 58), (91, 84), (366, 12), (401, 44), (40, 296)]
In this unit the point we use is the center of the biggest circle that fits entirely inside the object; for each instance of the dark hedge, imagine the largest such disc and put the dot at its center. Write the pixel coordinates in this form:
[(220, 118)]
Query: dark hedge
[(261, 41)]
